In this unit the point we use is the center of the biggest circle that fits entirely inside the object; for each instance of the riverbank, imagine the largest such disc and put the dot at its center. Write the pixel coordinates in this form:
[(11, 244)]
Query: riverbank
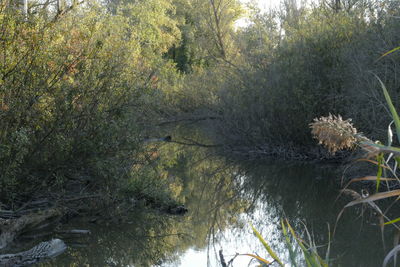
[(44, 213)]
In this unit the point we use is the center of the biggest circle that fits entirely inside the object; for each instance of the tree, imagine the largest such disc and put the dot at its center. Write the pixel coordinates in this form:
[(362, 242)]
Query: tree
[(207, 29)]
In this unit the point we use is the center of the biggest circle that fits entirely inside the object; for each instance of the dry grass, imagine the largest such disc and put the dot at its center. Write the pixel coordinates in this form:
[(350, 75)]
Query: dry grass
[(334, 133)]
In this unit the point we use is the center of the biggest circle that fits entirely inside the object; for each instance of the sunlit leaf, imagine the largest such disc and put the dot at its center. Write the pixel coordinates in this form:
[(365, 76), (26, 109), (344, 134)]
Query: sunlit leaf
[(267, 247), (390, 134), (289, 245), (257, 258), (392, 109), (374, 197), (392, 221), (369, 178), (388, 53), (312, 259)]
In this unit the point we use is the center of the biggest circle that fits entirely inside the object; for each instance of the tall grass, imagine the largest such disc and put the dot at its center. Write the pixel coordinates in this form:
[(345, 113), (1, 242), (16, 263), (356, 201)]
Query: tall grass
[(299, 250), (385, 157)]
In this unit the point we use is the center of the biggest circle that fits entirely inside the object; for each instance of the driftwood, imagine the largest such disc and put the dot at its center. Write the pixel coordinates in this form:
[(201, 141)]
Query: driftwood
[(43, 251), (38, 218), (11, 228), (74, 231)]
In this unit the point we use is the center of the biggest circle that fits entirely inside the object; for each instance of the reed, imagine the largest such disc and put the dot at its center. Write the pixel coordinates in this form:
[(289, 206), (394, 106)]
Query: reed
[(300, 251), (336, 134)]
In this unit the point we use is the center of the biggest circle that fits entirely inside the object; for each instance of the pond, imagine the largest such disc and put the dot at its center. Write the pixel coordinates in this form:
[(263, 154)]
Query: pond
[(223, 199)]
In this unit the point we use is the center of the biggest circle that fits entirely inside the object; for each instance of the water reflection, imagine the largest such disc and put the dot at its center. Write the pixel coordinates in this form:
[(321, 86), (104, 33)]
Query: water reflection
[(222, 199), (308, 194)]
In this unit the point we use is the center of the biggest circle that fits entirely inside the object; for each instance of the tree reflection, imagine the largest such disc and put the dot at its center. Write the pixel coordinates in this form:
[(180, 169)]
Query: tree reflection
[(209, 188), (308, 195), (222, 197)]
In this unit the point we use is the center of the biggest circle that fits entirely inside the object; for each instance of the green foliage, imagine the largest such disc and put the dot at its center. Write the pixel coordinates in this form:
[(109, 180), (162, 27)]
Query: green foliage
[(392, 109), (292, 66), (310, 254), (147, 184), (266, 246), (207, 29), (74, 93)]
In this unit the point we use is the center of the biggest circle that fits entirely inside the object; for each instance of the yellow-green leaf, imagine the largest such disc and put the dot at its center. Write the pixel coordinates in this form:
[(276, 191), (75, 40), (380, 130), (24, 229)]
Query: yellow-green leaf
[(267, 247), (392, 221)]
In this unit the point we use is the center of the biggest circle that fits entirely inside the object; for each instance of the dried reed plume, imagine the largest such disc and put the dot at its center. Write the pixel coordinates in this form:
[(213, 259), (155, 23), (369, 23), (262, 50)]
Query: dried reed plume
[(334, 133)]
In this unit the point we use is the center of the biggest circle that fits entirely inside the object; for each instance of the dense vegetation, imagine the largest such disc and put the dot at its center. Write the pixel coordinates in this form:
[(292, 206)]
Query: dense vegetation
[(85, 84), (294, 64), (78, 91)]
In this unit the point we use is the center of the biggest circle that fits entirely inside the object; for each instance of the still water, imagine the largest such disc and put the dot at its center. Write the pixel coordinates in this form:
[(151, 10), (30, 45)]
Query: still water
[(223, 199)]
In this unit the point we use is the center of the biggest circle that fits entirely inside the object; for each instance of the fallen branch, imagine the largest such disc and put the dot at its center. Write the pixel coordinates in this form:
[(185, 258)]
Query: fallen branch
[(74, 231), (189, 119), (81, 197), (11, 228), (191, 142), (43, 251)]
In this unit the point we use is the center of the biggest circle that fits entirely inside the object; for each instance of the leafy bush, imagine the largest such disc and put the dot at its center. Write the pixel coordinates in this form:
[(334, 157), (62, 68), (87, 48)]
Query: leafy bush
[(76, 92), (294, 65)]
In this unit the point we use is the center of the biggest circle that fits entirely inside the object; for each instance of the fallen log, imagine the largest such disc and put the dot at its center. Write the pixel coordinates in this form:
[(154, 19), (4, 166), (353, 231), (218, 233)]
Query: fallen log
[(42, 252), (74, 231), (12, 228)]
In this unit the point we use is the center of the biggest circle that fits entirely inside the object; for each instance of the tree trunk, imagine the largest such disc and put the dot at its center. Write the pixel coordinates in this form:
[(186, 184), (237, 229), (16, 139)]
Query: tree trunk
[(25, 8), (60, 6), (218, 30), (338, 5)]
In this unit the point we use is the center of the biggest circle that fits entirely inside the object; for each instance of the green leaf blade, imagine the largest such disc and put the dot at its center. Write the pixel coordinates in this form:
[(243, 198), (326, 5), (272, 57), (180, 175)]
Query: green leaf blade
[(392, 109), (267, 247)]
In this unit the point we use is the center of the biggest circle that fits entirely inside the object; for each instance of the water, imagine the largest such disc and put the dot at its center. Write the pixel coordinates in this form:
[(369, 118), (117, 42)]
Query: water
[(223, 199)]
